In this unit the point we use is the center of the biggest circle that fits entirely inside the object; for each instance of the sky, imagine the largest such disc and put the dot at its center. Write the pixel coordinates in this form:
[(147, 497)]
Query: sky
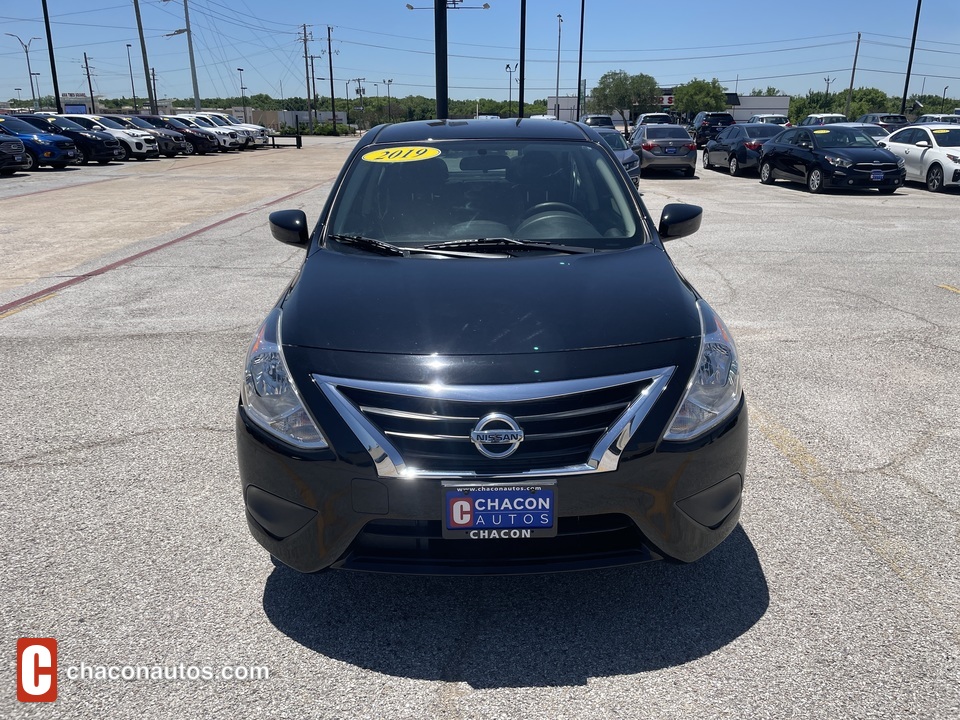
[(793, 46)]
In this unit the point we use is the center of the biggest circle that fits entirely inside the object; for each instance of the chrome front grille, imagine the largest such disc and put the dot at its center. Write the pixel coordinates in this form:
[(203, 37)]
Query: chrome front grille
[(11, 146), (569, 427)]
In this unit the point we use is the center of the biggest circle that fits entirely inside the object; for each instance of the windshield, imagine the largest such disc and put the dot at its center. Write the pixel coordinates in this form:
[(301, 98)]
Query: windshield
[(947, 137), (140, 123), (64, 124), (215, 120), (615, 141), (202, 122), (177, 122), (16, 125), (122, 121), (107, 122), (843, 138), (763, 131), (566, 193), (666, 133)]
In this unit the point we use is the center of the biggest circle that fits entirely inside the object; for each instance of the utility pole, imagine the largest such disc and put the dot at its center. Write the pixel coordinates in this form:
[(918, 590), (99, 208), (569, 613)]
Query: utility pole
[(153, 72), (556, 107), (826, 102), (523, 55), (853, 73), (313, 80), (360, 91), (151, 92), (193, 64), (86, 66), (53, 62), (388, 83), (580, 97), (333, 98), (913, 45), (306, 70)]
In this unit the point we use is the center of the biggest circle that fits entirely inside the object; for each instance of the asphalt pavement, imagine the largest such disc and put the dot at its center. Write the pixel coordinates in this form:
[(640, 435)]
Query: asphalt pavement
[(128, 295)]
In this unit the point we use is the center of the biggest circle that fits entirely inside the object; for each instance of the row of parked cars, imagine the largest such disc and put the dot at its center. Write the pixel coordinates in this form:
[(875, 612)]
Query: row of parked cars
[(878, 150), (32, 140)]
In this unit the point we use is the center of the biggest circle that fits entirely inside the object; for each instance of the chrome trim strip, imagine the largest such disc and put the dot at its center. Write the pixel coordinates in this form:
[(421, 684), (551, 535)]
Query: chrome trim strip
[(541, 436), (605, 456), (593, 410)]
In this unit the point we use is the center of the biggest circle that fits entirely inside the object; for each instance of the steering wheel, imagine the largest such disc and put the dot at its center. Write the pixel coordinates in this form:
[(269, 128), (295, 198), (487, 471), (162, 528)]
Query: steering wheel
[(550, 206)]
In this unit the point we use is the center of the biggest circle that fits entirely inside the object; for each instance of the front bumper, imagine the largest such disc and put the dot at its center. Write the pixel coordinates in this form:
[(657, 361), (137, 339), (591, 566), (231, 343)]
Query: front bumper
[(318, 510), (851, 178)]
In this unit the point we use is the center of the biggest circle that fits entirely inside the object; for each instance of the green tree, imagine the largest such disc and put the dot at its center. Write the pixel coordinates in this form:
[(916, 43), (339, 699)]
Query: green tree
[(620, 92), (697, 95), (769, 92)]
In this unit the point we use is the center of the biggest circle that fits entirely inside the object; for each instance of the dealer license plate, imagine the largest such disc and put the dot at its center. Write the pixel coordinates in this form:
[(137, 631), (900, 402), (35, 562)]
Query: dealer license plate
[(482, 511), (670, 151), (876, 175)]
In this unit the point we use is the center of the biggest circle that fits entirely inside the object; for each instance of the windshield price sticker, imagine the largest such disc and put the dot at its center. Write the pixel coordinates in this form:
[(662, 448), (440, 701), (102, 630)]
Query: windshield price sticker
[(499, 512), (401, 154), (821, 132), (941, 131)]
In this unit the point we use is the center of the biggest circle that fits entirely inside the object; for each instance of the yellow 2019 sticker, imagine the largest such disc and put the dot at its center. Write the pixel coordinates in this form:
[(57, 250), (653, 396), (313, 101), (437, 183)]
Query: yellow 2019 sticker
[(821, 132), (940, 132), (401, 154)]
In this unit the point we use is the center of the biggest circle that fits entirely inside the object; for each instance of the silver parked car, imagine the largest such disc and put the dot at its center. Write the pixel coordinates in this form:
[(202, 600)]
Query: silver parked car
[(930, 152), (665, 147)]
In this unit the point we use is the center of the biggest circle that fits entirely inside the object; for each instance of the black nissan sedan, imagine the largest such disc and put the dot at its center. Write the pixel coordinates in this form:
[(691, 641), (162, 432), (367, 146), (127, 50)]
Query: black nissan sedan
[(830, 156), (488, 364)]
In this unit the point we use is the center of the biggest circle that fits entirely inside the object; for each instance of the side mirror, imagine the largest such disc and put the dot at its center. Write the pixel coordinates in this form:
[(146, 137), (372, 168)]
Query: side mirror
[(289, 226), (923, 144), (679, 220)]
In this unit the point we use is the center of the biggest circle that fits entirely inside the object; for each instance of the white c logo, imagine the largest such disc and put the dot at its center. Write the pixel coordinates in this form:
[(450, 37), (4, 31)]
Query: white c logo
[(31, 681)]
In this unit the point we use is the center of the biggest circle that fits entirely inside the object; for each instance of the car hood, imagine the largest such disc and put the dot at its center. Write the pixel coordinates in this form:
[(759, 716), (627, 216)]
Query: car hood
[(45, 137), (485, 306), (863, 155)]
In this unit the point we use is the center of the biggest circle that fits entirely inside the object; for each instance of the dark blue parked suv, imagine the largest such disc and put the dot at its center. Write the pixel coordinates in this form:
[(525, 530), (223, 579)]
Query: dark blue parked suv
[(41, 148)]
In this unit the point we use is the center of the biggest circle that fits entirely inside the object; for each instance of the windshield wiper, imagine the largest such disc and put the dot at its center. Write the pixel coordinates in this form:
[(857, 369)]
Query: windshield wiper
[(375, 246), (502, 243)]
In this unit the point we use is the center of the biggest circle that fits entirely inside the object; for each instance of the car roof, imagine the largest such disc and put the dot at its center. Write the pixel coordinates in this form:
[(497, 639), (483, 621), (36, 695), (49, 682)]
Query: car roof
[(426, 130)]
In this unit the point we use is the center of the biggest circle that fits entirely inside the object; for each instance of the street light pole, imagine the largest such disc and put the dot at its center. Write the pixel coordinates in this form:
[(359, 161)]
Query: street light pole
[(389, 109), (510, 71), (133, 88), (19, 101), (944, 98), (39, 104), (26, 50), (556, 106), (243, 98)]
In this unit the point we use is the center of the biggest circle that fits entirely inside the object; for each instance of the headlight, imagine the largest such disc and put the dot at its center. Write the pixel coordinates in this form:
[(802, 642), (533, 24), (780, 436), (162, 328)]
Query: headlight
[(715, 388), (38, 141), (269, 394), (900, 162), (838, 161), (953, 158)]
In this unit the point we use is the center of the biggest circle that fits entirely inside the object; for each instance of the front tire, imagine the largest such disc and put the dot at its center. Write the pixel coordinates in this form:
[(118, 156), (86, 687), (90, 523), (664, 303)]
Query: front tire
[(734, 166), (124, 153), (31, 163), (815, 180), (82, 157), (766, 173), (935, 178), (707, 165), (189, 149)]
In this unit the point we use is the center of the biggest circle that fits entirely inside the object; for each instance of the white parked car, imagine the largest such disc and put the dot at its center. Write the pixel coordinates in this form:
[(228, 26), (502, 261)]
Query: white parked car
[(229, 139), (877, 132), (258, 134), (930, 152), (772, 118), (136, 144)]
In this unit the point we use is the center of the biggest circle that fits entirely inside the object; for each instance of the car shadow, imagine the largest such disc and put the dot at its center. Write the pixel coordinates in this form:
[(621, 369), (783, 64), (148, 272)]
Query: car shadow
[(522, 631)]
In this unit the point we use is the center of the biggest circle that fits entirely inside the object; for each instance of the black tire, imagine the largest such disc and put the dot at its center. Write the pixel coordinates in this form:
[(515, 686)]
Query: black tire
[(140, 158), (124, 153), (935, 178), (82, 157), (706, 160), (58, 165), (7, 171), (30, 161), (189, 149), (887, 190), (766, 173), (815, 180), (102, 162), (733, 165), (170, 154), (689, 172)]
